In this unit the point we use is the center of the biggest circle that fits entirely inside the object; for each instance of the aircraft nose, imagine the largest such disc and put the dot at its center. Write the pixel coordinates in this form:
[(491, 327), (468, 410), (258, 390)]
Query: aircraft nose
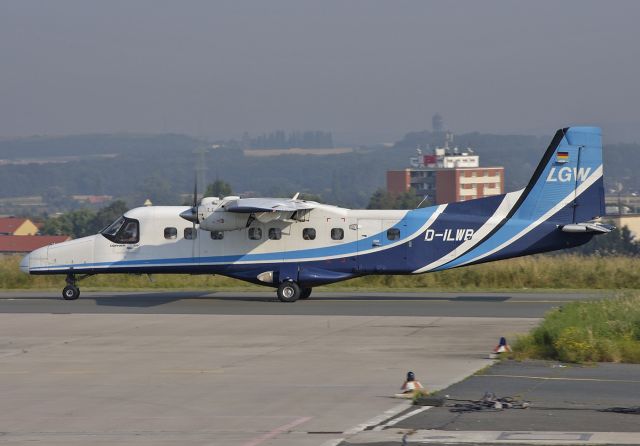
[(24, 264)]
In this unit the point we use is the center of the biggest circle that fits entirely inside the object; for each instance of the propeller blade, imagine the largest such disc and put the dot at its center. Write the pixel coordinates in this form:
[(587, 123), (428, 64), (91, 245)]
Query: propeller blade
[(195, 192)]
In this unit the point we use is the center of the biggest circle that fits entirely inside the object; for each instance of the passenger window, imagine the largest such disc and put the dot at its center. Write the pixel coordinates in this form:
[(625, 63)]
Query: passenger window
[(309, 233), (190, 233), (337, 233), (255, 233), (275, 234), (393, 234), (170, 233), (217, 235)]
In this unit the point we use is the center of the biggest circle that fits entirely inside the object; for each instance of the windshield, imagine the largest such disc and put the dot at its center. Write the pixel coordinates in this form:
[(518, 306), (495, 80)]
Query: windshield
[(114, 227), (123, 230)]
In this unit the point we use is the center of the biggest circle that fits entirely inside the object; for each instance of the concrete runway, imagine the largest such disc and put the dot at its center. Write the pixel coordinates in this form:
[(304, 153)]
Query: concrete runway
[(468, 304), (198, 368)]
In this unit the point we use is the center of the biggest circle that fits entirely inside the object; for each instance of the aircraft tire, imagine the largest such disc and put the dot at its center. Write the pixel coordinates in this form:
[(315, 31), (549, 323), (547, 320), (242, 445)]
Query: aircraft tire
[(70, 292), (305, 293), (288, 291)]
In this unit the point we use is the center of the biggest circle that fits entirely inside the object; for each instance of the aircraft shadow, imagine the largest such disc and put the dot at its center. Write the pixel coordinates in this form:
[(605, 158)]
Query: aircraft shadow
[(153, 299), (144, 300)]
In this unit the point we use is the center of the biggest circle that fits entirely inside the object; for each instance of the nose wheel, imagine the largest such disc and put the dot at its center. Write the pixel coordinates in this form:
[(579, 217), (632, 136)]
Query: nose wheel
[(70, 292)]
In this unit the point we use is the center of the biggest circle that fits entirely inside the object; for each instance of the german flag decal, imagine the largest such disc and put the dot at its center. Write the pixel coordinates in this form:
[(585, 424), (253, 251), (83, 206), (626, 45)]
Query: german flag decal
[(562, 157)]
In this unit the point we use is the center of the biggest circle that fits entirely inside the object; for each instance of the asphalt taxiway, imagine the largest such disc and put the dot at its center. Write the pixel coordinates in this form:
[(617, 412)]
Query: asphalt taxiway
[(204, 368), (468, 304)]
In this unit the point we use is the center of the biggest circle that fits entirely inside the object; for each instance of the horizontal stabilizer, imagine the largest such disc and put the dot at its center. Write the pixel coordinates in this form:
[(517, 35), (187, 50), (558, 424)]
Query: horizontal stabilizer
[(599, 228)]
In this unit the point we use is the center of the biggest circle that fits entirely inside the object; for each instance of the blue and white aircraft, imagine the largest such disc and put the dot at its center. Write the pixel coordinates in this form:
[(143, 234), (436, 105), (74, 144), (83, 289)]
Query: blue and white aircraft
[(294, 245)]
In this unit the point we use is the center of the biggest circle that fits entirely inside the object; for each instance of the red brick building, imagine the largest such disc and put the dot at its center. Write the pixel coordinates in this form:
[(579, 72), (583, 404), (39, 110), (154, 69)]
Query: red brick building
[(446, 176)]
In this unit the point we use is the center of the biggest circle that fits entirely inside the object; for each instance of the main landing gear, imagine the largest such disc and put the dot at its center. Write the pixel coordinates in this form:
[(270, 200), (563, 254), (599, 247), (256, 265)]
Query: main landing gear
[(71, 291), (290, 291)]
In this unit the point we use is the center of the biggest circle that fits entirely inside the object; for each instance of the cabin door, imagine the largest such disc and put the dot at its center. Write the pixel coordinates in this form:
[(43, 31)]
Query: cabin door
[(369, 237)]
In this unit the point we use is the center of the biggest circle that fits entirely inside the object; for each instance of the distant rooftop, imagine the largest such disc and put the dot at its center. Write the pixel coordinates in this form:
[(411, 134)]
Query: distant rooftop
[(27, 243)]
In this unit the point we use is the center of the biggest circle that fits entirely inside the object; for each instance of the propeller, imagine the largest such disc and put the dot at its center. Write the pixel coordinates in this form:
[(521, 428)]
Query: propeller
[(192, 214)]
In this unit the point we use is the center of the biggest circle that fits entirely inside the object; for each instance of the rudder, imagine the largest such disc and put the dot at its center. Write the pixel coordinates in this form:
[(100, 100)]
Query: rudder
[(568, 177)]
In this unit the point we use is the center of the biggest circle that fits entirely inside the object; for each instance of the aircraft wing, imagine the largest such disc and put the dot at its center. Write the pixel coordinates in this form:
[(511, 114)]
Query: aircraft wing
[(254, 205)]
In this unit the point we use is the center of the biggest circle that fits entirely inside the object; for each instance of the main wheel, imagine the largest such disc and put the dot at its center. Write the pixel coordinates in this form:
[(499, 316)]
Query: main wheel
[(305, 293), (70, 292), (288, 291)]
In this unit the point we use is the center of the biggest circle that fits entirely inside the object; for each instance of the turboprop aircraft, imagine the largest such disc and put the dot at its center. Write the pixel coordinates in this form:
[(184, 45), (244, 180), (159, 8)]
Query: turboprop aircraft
[(294, 245)]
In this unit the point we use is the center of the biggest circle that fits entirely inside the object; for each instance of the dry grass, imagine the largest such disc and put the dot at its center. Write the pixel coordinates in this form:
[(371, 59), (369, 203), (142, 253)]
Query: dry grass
[(535, 272)]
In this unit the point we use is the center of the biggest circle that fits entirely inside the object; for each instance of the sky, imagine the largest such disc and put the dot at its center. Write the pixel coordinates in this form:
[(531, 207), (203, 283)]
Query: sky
[(367, 70)]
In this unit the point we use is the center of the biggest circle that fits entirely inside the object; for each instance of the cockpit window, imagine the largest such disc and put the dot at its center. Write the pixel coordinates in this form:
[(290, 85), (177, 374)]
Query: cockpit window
[(113, 228), (123, 230)]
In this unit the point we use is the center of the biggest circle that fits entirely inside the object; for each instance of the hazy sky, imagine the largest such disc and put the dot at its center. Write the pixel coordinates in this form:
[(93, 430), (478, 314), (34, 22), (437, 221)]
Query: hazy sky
[(366, 70)]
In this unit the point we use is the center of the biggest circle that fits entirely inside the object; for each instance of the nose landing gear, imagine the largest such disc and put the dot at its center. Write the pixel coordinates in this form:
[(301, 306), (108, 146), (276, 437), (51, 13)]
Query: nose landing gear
[(71, 291)]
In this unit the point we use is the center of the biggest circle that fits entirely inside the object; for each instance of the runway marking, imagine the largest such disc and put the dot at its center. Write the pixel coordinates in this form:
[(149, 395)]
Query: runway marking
[(395, 410), (445, 300), (549, 378), (395, 421), (277, 431)]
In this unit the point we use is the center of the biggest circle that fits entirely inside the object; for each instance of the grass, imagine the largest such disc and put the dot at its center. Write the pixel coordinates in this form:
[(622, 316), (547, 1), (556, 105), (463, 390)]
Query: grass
[(606, 330), (526, 273)]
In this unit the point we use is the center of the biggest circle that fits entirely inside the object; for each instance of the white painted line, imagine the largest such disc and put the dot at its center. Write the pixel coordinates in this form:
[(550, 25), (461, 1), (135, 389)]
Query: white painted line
[(549, 438), (395, 421), (395, 410), (335, 442), (277, 431)]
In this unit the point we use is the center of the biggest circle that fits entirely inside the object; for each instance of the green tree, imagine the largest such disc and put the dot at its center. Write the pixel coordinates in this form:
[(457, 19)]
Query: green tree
[(76, 224), (108, 215), (381, 199), (620, 241), (157, 189), (84, 222), (218, 188)]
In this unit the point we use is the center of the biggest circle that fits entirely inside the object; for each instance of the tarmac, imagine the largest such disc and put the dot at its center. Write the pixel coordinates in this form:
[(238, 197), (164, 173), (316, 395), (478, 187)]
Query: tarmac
[(566, 404), (200, 368)]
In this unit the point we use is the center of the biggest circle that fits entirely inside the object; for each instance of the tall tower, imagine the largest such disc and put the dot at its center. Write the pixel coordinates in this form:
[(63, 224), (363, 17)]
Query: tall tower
[(437, 123)]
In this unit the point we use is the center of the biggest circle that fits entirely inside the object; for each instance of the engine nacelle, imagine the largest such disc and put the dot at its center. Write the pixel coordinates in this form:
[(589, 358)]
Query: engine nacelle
[(221, 220)]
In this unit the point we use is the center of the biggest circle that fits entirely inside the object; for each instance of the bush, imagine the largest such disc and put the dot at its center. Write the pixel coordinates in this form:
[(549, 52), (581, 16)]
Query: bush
[(605, 330)]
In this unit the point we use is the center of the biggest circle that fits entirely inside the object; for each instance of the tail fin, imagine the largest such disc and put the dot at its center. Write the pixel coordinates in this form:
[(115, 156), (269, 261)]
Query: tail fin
[(566, 191), (568, 179)]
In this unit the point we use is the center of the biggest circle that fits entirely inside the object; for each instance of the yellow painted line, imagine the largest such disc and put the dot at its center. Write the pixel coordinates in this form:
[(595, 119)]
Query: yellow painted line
[(548, 378)]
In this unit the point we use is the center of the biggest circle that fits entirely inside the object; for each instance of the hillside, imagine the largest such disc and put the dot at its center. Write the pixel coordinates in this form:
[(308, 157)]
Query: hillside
[(162, 166)]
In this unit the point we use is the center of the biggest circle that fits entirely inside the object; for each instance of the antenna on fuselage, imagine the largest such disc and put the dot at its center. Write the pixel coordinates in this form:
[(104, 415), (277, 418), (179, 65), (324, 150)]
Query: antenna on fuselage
[(423, 200)]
